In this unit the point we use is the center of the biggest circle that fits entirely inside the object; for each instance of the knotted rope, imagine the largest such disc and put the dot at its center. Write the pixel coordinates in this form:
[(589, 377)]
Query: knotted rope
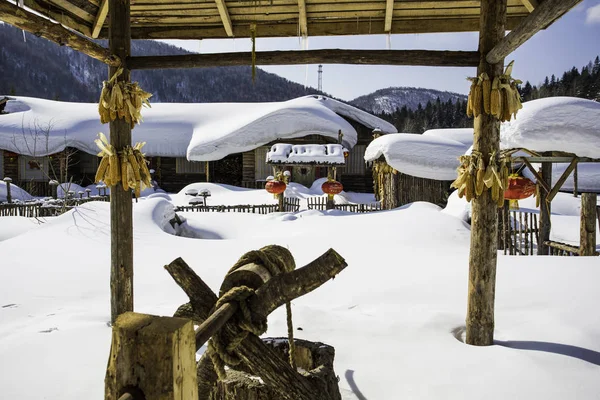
[(276, 260)]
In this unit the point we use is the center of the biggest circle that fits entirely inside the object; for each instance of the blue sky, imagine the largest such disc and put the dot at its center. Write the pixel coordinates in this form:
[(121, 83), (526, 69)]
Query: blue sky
[(573, 40)]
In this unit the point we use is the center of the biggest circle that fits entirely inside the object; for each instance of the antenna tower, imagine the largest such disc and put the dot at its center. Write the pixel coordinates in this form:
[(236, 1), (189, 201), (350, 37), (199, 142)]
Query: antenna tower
[(320, 86)]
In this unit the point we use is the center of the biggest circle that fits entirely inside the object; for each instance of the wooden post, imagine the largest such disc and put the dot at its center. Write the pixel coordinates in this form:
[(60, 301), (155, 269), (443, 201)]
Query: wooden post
[(484, 223), (281, 202), (208, 171), (545, 210), (587, 241), (121, 221), (575, 178), (8, 180), (152, 355)]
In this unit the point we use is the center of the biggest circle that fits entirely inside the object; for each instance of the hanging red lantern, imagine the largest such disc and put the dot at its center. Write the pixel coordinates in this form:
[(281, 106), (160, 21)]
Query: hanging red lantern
[(519, 188), (275, 187), (332, 187)]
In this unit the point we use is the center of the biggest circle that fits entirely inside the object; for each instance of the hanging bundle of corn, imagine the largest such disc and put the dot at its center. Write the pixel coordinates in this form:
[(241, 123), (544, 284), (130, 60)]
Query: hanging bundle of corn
[(253, 35), (499, 97), (128, 167), (496, 178), (474, 177), (465, 182), (122, 100)]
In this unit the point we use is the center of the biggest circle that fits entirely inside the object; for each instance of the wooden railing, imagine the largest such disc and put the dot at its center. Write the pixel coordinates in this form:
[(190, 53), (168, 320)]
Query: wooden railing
[(290, 205), (320, 203), (561, 249)]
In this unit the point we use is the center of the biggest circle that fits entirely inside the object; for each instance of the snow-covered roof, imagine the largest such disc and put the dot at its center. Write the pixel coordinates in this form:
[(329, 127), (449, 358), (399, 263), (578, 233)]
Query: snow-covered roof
[(202, 131), (462, 135), (283, 153), (428, 157), (566, 124)]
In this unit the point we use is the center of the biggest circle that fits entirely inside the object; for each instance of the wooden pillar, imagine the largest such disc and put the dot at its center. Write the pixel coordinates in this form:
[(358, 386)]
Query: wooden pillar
[(575, 178), (121, 221), (484, 223), (208, 171), (153, 357), (587, 241), (545, 210), (8, 180)]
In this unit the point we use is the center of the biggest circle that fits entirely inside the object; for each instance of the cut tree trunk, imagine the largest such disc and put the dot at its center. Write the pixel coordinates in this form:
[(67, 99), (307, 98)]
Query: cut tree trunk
[(587, 241)]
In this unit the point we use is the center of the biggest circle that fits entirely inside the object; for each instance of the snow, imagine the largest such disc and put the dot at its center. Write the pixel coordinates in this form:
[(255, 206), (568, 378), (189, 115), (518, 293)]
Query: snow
[(16, 193), (282, 153), (462, 135), (393, 315), (430, 157), (566, 124), (205, 132)]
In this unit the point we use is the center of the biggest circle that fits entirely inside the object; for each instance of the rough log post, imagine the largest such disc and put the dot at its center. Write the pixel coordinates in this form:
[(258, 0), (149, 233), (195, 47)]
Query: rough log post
[(575, 179), (121, 221), (280, 202), (587, 241), (545, 210), (154, 356), (484, 224), (8, 195)]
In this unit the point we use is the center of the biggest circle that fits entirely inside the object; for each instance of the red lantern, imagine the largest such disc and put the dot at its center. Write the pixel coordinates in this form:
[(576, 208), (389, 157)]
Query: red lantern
[(275, 187), (519, 188), (332, 187)]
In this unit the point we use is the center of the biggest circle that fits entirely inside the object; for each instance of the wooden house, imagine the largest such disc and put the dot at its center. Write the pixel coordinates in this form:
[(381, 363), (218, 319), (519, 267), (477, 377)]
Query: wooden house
[(185, 143)]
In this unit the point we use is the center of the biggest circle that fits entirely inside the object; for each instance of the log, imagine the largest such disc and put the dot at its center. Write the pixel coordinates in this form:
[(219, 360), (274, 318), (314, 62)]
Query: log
[(56, 33), (558, 247), (587, 240), (484, 223), (540, 18), (326, 56), (121, 219), (545, 211), (153, 355), (562, 180)]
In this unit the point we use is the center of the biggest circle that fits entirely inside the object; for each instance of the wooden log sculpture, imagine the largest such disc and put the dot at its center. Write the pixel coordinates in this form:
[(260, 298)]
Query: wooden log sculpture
[(269, 280)]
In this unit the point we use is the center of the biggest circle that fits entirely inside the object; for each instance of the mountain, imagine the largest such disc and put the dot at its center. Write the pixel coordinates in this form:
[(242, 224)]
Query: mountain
[(390, 99), (31, 66)]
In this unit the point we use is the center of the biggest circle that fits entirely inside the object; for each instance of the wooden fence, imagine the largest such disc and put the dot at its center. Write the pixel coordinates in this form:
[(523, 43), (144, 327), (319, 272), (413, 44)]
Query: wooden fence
[(320, 203), (518, 232), (290, 205), (38, 209)]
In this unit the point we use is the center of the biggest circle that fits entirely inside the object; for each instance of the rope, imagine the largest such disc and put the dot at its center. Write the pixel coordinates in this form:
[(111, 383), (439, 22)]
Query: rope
[(222, 353)]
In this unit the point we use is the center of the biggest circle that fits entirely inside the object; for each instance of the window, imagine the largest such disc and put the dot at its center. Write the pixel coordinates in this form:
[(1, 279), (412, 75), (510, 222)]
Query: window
[(33, 168), (183, 166)]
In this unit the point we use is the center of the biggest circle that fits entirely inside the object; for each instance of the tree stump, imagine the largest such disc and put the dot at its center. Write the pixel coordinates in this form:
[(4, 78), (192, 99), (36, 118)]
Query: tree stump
[(314, 360), (154, 356)]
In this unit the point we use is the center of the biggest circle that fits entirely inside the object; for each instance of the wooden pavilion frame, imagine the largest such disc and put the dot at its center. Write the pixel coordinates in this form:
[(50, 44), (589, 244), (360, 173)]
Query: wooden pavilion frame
[(80, 21)]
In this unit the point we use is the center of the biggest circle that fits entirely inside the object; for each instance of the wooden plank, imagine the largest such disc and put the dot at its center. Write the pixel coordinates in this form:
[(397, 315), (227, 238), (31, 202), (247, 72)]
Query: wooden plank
[(121, 219), (302, 18), (389, 11), (544, 15), (71, 8), (327, 56), (225, 17), (562, 180), (538, 177), (530, 4), (484, 223), (545, 211), (100, 18), (61, 17), (56, 33)]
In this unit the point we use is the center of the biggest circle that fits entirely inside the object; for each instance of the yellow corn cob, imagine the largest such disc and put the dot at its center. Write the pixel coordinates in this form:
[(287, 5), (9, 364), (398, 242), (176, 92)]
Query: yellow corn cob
[(479, 183), (115, 171), (124, 180), (507, 97), (477, 99), (104, 164)]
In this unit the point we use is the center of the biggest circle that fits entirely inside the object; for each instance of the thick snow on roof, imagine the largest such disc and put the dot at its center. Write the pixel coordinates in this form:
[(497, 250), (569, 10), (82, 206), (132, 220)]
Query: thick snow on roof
[(429, 157), (283, 153), (566, 124), (206, 131), (462, 135)]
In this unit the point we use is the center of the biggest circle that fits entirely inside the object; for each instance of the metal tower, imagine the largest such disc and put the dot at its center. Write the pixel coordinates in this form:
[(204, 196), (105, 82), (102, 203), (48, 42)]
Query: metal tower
[(320, 85)]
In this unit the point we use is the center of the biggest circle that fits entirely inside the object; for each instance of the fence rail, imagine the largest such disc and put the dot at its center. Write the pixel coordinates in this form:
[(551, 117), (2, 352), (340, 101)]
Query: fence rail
[(320, 203), (561, 249), (290, 205), (38, 209), (518, 232)]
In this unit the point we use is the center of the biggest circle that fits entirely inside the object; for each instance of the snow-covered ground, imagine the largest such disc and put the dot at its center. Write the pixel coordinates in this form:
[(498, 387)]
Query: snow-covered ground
[(394, 314)]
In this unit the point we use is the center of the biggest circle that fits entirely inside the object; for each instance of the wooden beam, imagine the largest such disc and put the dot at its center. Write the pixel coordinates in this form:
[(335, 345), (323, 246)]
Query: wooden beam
[(57, 15), (545, 212), (538, 177), (56, 33), (530, 5), (224, 13), (389, 13), (544, 15), (100, 18), (562, 180), (484, 223), (587, 231), (302, 18), (327, 56), (288, 29), (121, 218)]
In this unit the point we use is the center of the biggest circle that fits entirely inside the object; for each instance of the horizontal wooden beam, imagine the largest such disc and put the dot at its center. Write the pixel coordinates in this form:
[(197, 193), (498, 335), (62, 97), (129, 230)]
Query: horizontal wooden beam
[(327, 56), (555, 159), (361, 27), (54, 32), (544, 15)]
